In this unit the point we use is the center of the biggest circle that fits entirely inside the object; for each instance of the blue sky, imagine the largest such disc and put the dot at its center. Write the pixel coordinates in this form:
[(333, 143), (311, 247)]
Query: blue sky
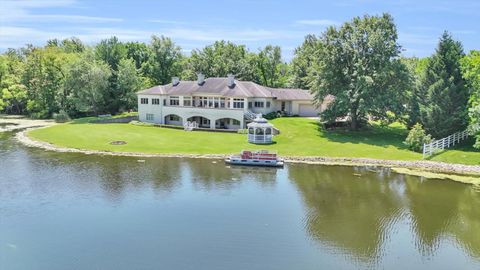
[(194, 24)]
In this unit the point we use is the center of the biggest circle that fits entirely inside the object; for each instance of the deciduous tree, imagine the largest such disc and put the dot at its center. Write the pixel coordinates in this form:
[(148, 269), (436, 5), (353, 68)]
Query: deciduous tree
[(359, 64)]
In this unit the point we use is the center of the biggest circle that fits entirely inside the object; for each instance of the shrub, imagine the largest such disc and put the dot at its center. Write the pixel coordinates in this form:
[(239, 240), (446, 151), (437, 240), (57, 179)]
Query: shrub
[(417, 137), (61, 117), (271, 115)]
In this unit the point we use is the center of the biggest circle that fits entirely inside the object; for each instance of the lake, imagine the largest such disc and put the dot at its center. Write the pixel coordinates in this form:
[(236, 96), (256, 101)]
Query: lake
[(75, 211)]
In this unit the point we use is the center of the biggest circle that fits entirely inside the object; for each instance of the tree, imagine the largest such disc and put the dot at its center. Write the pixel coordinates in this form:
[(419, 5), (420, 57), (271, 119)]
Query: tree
[(44, 77), (129, 82), (220, 59), (271, 70), (303, 61), (13, 93), (445, 97), (359, 64), (88, 81), (164, 60), (471, 72), (138, 51), (416, 69)]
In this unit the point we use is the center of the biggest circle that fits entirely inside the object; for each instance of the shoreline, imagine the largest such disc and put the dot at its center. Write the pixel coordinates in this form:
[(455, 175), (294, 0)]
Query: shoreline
[(432, 169)]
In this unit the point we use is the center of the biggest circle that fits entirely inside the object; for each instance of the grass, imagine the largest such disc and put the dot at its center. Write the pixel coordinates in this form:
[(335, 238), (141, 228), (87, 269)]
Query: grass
[(299, 137)]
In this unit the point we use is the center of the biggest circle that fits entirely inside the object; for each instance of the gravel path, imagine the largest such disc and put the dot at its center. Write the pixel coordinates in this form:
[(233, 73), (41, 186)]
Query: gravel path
[(12, 123), (431, 166)]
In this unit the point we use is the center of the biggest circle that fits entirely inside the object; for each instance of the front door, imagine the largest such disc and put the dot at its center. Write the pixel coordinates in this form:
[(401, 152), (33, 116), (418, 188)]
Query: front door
[(283, 106)]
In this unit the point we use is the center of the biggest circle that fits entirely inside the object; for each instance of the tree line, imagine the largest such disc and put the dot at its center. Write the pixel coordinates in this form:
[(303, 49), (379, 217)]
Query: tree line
[(359, 63)]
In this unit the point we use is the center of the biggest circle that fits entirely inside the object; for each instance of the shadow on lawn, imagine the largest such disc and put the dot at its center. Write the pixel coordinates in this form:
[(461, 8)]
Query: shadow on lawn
[(383, 136)]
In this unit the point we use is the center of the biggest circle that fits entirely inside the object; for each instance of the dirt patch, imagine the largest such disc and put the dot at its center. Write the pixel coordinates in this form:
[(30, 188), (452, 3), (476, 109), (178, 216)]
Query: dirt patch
[(118, 142)]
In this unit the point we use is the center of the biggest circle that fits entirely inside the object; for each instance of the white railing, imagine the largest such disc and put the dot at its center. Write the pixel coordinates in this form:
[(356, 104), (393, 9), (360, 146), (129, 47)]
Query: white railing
[(438, 145), (190, 125), (259, 138)]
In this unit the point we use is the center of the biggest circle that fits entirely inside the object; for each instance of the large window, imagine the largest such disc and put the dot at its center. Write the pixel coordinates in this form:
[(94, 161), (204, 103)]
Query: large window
[(268, 104), (149, 117), (155, 101), (259, 104), (187, 101), (174, 101), (235, 122), (144, 100), (238, 103)]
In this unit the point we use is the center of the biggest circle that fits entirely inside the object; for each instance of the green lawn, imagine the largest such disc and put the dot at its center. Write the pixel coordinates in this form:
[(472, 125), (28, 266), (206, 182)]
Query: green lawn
[(299, 137)]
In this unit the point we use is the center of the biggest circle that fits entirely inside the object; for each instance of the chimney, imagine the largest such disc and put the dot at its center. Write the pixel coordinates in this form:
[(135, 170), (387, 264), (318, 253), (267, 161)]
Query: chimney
[(175, 81), (200, 78), (231, 80)]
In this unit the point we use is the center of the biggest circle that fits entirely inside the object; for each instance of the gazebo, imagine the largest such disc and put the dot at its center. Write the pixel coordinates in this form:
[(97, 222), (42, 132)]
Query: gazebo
[(260, 131)]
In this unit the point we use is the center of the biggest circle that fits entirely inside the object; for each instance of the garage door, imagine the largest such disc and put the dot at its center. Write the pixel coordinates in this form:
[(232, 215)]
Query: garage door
[(307, 110)]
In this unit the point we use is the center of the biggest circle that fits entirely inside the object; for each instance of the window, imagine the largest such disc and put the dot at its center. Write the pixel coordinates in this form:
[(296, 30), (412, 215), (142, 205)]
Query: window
[(155, 101), (238, 103), (249, 104), (174, 101), (174, 117), (268, 104), (144, 100), (206, 121), (259, 104), (187, 101), (149, 117), (165, 102), (235, 122)]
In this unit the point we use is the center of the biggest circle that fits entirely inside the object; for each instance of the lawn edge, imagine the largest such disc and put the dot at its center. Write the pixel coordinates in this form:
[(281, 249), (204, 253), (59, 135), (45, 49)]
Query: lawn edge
[(433, 169)]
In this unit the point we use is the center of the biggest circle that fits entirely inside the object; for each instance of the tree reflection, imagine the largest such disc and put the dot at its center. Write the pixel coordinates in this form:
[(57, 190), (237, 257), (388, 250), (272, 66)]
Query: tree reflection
[(443, 209), (353, 209)]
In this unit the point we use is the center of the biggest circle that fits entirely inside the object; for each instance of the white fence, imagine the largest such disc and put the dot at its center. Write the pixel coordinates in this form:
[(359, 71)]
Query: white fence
[(431, 148)]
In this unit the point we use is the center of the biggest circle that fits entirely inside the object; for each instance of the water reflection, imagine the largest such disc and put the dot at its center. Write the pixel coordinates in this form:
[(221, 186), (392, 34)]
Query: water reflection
[(347, 208), (356, 209), (230, 217), (443, 211)]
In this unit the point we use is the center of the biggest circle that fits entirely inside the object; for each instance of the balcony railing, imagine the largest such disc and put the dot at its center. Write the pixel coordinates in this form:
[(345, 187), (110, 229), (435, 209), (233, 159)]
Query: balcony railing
[(203, 107)]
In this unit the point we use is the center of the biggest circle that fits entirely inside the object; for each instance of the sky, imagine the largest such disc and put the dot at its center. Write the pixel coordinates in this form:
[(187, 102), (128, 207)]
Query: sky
[(254, 23)]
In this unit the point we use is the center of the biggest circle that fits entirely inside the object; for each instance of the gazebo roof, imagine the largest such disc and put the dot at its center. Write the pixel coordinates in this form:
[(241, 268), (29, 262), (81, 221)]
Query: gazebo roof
[(260, 122)]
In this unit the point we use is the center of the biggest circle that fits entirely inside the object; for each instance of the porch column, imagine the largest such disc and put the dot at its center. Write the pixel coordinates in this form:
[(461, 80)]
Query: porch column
[(212, 124)]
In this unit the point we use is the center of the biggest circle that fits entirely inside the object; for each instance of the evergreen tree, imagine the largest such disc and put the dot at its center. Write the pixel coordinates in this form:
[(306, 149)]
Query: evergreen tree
[(445, 97)]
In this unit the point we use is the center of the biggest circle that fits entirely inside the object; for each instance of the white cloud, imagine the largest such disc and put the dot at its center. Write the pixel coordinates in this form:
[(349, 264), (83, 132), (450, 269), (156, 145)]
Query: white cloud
[(21, 11), (228, 34), (320, 22)]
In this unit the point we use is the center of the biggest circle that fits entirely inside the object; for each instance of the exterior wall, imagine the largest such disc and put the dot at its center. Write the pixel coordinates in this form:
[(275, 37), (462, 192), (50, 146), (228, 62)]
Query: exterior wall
[(160, 112), (212, 114), (296, 105), (263, 110), (156, 110)]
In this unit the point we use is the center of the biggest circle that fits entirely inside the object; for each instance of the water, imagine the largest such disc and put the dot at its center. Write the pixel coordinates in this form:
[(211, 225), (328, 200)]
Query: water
[(73, 211)]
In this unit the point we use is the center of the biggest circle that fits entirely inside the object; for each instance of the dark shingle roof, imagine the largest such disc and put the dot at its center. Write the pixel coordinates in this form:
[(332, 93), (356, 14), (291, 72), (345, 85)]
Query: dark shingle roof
[(219, 86)]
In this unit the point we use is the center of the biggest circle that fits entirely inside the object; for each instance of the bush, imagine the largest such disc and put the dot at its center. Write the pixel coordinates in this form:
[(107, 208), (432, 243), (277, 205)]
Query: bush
[(61, 117), (271, 115), (417, 137)]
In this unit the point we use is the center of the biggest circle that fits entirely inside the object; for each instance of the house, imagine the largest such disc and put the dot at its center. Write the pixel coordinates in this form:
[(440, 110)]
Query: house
[(218, 103)]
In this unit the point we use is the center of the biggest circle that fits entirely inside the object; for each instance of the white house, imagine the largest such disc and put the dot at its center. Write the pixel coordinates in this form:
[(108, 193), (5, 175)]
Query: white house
[(221, 103)]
